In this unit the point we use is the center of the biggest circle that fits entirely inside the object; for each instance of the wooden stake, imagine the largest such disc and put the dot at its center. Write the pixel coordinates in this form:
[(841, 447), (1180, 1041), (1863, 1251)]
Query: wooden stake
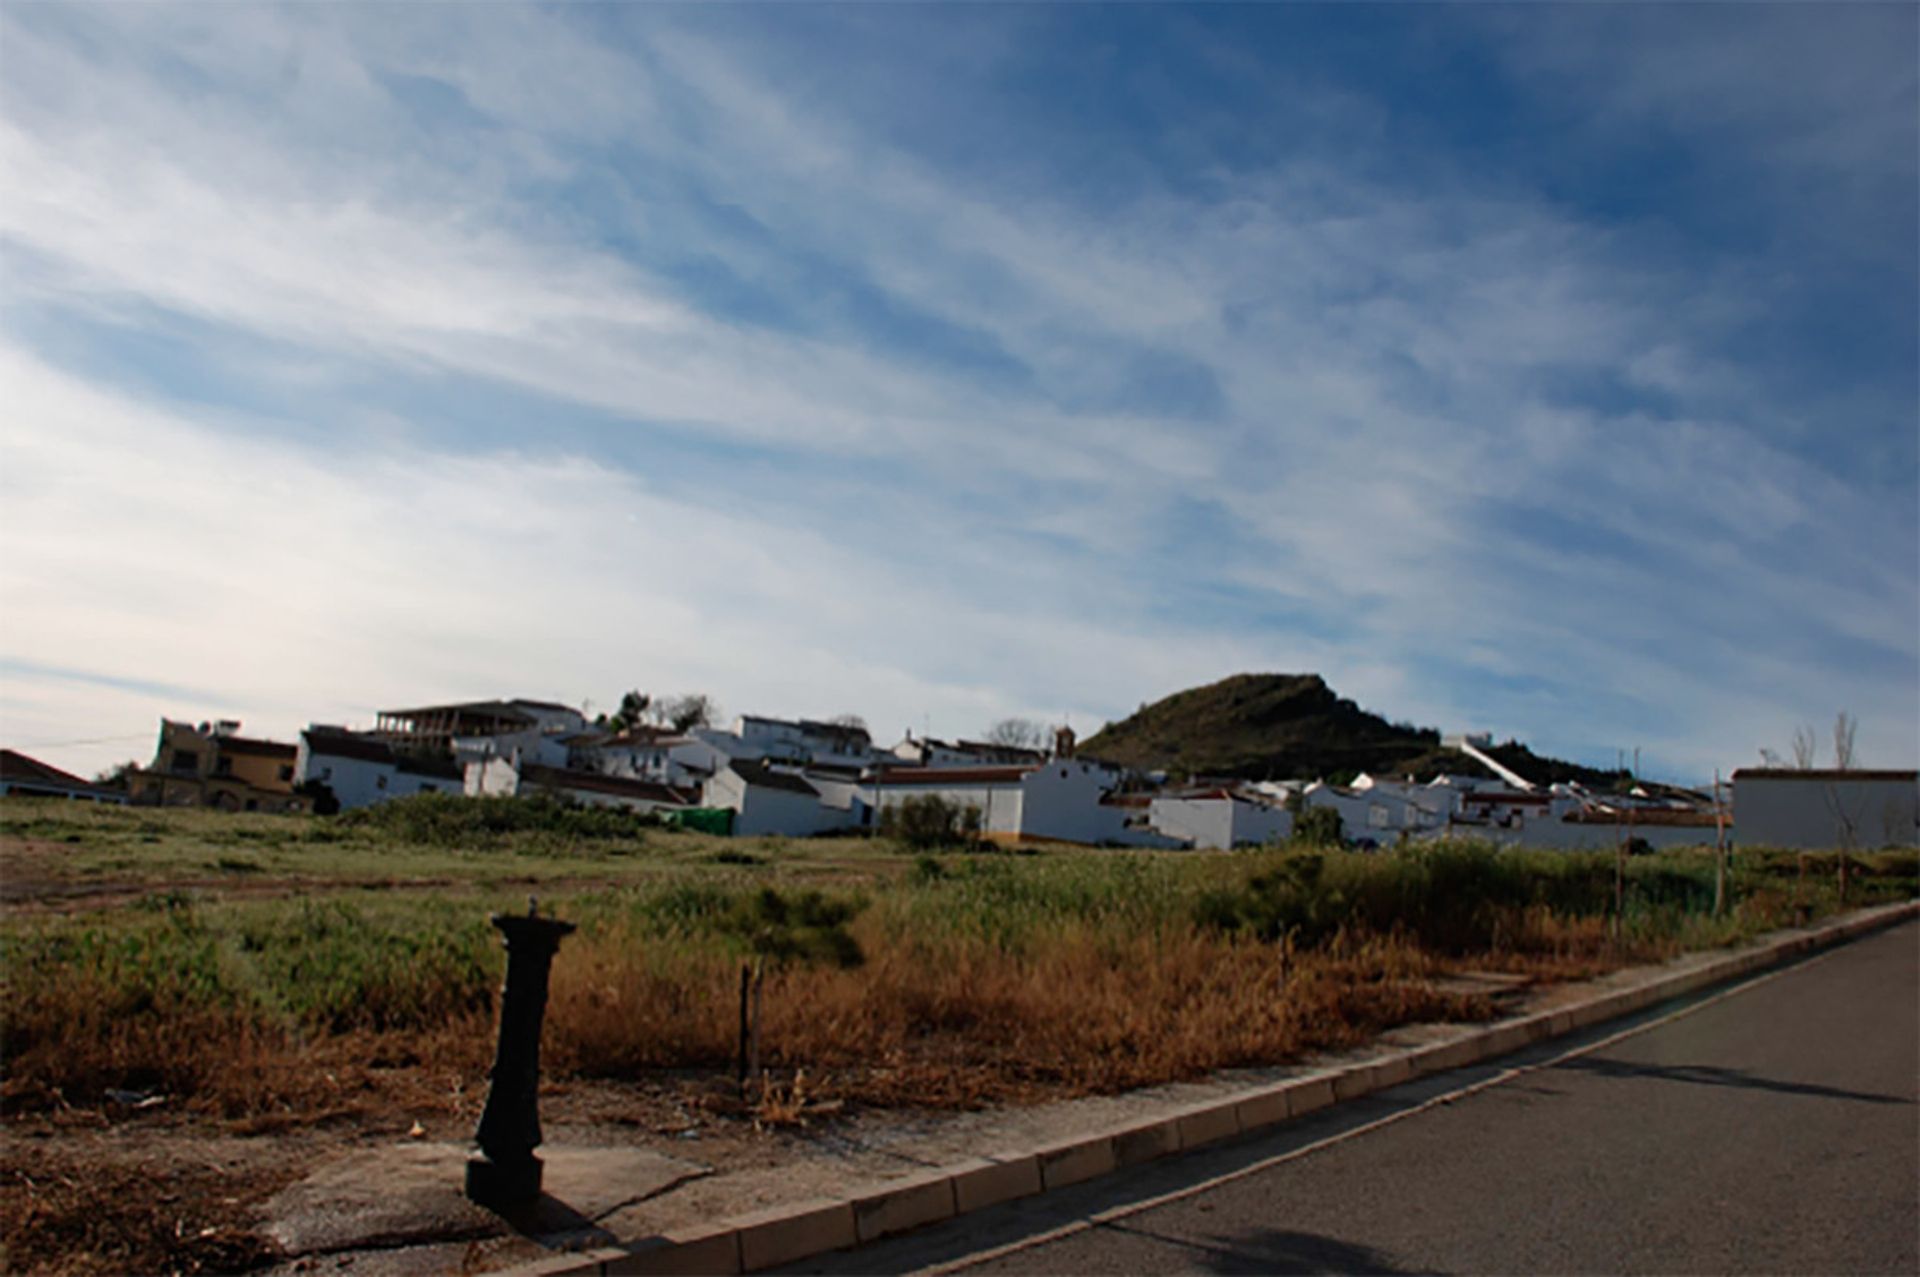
[(740, 1073), (753, 1037)]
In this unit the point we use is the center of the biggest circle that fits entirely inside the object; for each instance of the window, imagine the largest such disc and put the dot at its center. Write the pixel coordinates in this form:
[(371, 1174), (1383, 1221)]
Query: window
[(326, 773), (379, 782), (286, 771), (223, 767), (185, 760)]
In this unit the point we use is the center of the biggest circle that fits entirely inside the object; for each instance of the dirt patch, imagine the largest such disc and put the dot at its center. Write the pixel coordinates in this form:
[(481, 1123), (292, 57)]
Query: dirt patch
[(114, 1190), (105, 1203), (25, 895)]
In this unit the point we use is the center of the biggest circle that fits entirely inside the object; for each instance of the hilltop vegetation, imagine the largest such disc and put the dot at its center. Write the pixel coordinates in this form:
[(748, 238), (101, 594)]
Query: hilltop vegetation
[(1293, 726)]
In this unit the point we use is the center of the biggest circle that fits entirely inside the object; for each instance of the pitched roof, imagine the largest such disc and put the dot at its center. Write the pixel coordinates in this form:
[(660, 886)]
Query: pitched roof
[(944, 776), (256, 748), (422, 765), (595, 783), (811, 726), (756, 773), (328, 742), (20, 769), (1505, 798), (1000, 751)]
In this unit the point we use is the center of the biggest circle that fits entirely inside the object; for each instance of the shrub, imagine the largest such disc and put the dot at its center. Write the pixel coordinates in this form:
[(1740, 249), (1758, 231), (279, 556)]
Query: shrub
[(1318, 827), (929, 820), (443, 820), (802, 927)]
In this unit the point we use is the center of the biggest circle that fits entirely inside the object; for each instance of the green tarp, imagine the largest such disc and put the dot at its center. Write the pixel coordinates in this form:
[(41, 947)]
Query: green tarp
[(703, 820)]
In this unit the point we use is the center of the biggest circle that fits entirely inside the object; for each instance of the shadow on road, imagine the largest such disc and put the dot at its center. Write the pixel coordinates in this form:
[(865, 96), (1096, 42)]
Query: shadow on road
[(1710, 1075), (1271, 1250)]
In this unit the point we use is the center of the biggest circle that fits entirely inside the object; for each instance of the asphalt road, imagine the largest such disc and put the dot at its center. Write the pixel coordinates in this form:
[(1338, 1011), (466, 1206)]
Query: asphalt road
[(1771, 1128)]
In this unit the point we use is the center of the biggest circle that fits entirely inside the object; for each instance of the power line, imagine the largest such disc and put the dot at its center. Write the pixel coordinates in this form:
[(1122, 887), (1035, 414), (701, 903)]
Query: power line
[(97, 740)]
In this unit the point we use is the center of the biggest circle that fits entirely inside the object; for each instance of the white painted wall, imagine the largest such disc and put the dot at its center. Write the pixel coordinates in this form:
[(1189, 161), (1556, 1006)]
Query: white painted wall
[(761, 810), (551, 722), (1257, 823), (1061, 800), (1827, 810), (999, 802), (1220, 822), (361, 782), (532, 746), (492, 778), (1206, 822), (356, 782)]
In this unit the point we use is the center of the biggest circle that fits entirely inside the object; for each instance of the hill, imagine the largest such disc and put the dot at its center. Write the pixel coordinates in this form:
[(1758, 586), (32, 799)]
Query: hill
[(1293, 726)]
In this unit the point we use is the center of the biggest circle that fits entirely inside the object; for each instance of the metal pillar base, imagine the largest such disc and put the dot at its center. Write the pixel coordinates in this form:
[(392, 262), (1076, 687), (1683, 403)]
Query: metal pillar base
[(503, 1186)]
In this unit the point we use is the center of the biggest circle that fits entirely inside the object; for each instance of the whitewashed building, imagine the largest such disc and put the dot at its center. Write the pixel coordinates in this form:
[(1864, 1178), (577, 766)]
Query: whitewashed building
[(1062, 800), (24, 777), (804, 740), (926, 751), (1820, 810), (770, 800), (1379, 814), (361, 770), (1220, 819), (997, 793), (515, 778), (662, 757)]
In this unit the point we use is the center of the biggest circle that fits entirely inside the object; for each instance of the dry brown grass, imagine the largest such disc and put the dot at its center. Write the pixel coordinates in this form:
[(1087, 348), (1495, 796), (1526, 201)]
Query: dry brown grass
[(63, 1217), (962, 1021)]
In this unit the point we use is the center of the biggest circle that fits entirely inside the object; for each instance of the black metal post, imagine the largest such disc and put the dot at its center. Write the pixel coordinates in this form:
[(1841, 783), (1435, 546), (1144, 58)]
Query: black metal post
[(505, 1173)]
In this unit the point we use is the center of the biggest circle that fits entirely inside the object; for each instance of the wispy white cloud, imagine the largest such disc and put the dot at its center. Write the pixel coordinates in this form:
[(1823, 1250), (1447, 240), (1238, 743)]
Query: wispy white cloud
[(1413, 416)]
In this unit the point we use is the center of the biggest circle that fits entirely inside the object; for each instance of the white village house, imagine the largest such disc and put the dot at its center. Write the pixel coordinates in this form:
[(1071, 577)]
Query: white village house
[(515, 778), (766, 799), (1220, 819), (1810, 809), (1063, 800), (360, 770)]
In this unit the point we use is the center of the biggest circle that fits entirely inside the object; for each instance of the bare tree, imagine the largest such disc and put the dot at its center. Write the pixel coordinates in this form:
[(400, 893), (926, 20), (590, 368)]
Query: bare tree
[(1769, 758), (1018, 733), (1805, 743), (1843, 728), (852, 722)]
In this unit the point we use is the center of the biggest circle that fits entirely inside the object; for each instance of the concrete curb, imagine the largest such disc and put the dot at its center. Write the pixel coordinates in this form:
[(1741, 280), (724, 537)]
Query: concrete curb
[(796, 1230)]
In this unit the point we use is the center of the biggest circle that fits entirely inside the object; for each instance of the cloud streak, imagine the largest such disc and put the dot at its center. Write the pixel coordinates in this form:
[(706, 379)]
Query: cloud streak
[(730, 386)]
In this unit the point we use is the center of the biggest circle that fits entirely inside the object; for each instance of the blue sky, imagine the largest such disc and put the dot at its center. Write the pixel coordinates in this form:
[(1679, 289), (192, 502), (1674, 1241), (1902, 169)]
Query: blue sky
[(1548, 369)]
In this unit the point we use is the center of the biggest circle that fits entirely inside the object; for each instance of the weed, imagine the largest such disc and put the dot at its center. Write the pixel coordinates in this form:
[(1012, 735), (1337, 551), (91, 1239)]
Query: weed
[(728, 856)]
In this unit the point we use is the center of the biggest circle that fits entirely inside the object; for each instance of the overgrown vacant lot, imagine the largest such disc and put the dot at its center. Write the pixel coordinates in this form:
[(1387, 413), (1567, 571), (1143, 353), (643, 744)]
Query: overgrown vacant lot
[(251, 974)]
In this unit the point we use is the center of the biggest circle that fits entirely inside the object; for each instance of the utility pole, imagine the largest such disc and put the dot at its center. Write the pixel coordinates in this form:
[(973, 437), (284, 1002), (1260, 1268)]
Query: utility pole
[(1719, 849)]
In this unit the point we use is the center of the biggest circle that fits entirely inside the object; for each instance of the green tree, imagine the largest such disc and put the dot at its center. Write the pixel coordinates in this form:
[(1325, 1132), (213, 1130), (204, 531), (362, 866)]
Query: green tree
[(929, 820), (1318, 827), (632, 711)]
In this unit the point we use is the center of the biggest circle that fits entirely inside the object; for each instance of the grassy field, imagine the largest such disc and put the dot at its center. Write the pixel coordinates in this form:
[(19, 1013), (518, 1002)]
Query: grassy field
[(311, 948), (172, 980)]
